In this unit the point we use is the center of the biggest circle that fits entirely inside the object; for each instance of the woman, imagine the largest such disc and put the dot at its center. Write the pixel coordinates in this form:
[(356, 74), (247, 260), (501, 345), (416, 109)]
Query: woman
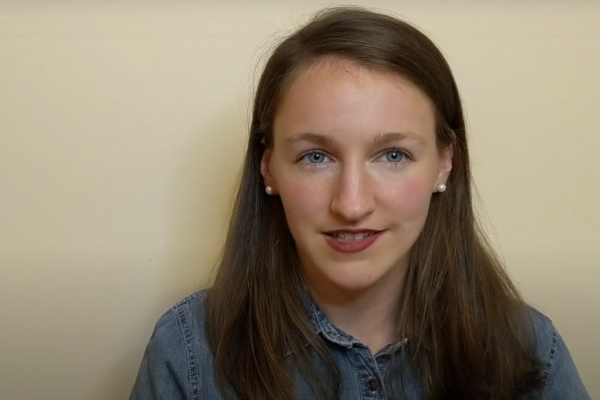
[(354, 267)]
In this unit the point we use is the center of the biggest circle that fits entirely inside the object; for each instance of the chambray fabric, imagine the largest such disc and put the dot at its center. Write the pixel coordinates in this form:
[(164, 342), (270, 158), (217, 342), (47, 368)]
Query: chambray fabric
[(178, 363)]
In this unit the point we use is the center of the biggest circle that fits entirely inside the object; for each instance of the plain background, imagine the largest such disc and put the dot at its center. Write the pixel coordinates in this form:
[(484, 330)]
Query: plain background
[(122, 130)]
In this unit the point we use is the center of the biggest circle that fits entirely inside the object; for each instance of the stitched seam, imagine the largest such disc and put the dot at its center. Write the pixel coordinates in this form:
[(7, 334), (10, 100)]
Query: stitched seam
[(190, 298), (353, 361), (551, 359), (191, 352)]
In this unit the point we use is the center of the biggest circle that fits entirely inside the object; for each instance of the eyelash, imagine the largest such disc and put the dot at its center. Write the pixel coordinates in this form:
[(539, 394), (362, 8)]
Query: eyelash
[(405, 153)]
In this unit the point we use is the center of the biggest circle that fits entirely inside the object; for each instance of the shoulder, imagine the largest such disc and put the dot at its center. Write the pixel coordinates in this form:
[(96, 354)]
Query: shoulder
[(182, 319), (546, 335), (192, 306), (560, 376), (176, 353), (196, 300)]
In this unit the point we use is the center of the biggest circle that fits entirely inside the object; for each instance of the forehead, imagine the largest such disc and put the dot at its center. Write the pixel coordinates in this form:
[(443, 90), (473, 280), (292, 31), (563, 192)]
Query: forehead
[(343, 98)]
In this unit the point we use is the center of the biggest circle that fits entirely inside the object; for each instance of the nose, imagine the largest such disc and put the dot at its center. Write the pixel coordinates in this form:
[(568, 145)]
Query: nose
[(353, 197)]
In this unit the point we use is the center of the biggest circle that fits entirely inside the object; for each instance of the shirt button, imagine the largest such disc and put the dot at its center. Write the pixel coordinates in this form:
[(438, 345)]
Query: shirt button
[(373, 384)]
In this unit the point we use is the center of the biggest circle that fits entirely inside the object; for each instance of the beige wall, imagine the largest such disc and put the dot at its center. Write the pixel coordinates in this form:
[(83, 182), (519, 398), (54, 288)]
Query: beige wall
[(122, 130)]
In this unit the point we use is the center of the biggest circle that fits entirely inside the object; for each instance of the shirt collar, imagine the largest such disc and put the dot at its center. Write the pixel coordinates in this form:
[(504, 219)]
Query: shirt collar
[(324, 327)]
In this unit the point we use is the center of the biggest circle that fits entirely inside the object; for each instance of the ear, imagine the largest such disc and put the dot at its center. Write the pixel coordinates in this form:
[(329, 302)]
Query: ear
[(446, 155), (265, 169)]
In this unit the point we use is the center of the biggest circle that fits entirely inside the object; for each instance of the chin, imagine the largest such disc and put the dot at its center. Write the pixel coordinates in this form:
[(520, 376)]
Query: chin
[(356, 275), (355, 278)]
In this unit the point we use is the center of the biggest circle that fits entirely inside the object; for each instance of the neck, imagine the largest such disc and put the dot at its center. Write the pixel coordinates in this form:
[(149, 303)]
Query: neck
[(369, 315)]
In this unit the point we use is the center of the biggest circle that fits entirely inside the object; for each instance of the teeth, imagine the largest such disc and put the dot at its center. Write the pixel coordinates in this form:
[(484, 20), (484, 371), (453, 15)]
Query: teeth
[(349, 237)]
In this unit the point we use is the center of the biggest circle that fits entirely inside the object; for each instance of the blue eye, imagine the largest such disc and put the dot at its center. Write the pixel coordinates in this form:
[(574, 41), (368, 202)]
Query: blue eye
[(315, 158), (394, 156)]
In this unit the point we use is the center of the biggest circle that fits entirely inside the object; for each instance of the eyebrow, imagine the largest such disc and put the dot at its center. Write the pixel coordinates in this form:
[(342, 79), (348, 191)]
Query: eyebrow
[(388, 137), (381, 138), (312, 137)]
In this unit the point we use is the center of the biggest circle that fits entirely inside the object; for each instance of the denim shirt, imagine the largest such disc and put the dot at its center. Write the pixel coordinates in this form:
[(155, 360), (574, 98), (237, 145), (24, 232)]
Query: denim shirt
[(178, 362)]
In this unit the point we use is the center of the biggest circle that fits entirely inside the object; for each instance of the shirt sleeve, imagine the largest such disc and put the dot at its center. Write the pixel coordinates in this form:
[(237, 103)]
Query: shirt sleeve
[(163, 371), (563, 380)]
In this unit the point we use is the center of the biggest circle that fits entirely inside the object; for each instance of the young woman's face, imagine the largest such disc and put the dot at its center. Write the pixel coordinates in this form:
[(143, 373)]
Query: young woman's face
[(355, 163)]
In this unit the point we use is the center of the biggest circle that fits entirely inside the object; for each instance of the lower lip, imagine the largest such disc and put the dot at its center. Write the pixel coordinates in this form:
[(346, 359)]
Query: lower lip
[(353, 246)]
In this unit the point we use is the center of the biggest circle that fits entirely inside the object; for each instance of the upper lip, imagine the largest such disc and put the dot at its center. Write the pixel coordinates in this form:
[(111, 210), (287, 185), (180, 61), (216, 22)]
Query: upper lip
[(353, 231)]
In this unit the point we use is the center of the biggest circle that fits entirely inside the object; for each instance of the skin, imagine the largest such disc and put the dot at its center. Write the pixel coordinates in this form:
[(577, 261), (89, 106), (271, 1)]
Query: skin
[(355, 149)]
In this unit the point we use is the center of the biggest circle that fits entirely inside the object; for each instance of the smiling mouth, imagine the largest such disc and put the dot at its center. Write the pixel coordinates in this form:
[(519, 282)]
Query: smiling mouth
[(351, 237), (352, 241)]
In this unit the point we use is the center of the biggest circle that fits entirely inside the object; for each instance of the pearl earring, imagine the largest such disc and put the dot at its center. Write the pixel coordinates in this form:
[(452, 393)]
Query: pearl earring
[(441, 187), (269, 190)]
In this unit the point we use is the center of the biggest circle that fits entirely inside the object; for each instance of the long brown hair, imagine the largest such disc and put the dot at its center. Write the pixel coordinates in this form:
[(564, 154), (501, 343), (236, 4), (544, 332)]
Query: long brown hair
[(465, 322)]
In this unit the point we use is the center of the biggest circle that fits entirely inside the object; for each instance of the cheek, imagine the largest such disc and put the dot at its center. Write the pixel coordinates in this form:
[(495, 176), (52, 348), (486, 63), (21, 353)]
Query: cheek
[(409, 198), (302, 199)]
